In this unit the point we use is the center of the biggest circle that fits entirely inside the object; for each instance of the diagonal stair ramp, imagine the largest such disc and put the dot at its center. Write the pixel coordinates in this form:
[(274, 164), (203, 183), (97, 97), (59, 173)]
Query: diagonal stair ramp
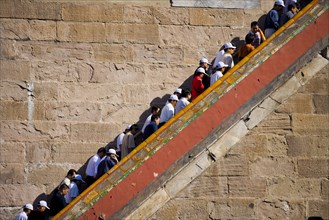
[(206, 129)]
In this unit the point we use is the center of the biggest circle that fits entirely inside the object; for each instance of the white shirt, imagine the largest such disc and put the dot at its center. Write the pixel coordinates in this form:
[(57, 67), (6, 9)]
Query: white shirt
[(228, 60), (119, 140), (74, 192), (218, 57), (93, 163), (167, 112), (181, 104), (21, 216), (147, 122), (214, 77)]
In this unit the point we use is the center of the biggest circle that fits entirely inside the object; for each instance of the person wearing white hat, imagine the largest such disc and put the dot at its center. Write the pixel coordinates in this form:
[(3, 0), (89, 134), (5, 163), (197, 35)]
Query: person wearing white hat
[(197, 85), (27, 209), (219, 69), (39, 213), (109, 161), (203, 63), (168, 110), (227, 57), (272, 18), (286, 16)]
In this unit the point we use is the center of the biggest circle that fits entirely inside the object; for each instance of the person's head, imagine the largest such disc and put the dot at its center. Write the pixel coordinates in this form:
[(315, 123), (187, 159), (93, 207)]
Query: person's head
[(254, 27), (78, 179), (71, 173), (186, 94), (155, 119), (155, 110), (293, 8), (173, 100), (200, 72), (101, 152), (278, 5), (178, 92), (229, 48), (63, 189), (249, 38), (204, 62), (221, 66), (42, 206), (28, 208), (134, 129)]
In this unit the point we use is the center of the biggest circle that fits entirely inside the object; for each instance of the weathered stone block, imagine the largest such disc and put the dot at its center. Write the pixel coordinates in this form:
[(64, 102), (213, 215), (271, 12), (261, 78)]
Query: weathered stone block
[(298, 103), (42, 30), (77, 153), (78, 72), (9, 212), (156, 54), (318, 208), (320, 83), (12, 153), (122, 115), (242, 208), (81, 32), (13, 91), (169, 16), (38, 152), (307, 146), (246, 187), (205, 187), (313, 168), (275, 123), (17, 29), (45, 91), (285, 91), (294, 188), (93, 132), (183, 209), (46, 174), (19, 194), (8, 49), (310, 124), (49, 70), (12, 173), (216, 17), (134, 94), (92, 12), (281, 209), (325, 189), (321, 104), (276, 145), (62, 111), (256, 116), (137, 14), (117, 53), (273, 166), (10, 110), (251, 144), (15, 70), (83, 92), (231, 165), (136, 33)]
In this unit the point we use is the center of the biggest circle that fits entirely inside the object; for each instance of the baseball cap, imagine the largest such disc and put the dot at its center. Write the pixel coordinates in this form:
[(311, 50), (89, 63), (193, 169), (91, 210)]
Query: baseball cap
[(221, 65), (128, 127), (28, 206), (228, 46), (79, 177), (279, 2), (43, 203), (112, 151), (204, 60), (173, 97), (179, 90), (200, 70)]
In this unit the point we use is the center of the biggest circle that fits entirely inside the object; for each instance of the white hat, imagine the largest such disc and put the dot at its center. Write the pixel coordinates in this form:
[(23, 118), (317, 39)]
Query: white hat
[(28, 206), (128, 127), (279, 2), (221, 65), (179, 90), (200, 70), (43, 203), (173, 97), (79, 177), (204, 60), (112, 151), (228, 46)]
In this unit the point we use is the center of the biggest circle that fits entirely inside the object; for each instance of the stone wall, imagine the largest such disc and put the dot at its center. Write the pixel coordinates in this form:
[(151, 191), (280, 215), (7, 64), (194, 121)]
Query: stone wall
[(75, 73), (280, 170)]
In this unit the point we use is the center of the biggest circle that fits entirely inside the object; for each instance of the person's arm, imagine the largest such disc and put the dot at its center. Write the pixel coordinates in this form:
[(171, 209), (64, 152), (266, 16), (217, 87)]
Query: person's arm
[(262, 35), (274, 15)]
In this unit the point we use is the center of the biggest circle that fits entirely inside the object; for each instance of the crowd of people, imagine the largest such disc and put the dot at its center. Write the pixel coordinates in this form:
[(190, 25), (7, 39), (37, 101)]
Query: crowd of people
[(204, 76)]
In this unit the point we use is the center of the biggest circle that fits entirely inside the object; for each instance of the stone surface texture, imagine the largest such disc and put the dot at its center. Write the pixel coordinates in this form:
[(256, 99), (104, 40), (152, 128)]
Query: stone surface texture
[(73, 74)]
